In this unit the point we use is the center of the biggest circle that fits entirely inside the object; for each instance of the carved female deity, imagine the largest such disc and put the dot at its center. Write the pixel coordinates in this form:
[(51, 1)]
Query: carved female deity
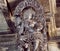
[(31, 26)]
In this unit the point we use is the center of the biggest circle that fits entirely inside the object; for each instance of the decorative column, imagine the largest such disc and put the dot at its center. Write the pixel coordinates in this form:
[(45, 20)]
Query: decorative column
[(52, 4)]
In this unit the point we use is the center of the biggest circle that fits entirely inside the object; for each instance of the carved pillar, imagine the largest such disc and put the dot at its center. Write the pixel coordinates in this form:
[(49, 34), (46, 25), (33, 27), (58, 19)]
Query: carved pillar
[(52, 4)]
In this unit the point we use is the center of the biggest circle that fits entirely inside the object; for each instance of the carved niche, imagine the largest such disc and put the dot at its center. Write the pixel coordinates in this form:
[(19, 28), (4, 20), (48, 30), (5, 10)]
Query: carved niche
[(30, 26)]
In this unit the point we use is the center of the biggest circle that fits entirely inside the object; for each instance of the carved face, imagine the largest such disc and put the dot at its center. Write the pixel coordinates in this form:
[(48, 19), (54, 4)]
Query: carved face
[(28, 13)]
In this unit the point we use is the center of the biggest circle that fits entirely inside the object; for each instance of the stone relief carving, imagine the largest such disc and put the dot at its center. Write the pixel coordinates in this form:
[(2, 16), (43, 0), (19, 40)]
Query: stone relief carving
[(31, 26)]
